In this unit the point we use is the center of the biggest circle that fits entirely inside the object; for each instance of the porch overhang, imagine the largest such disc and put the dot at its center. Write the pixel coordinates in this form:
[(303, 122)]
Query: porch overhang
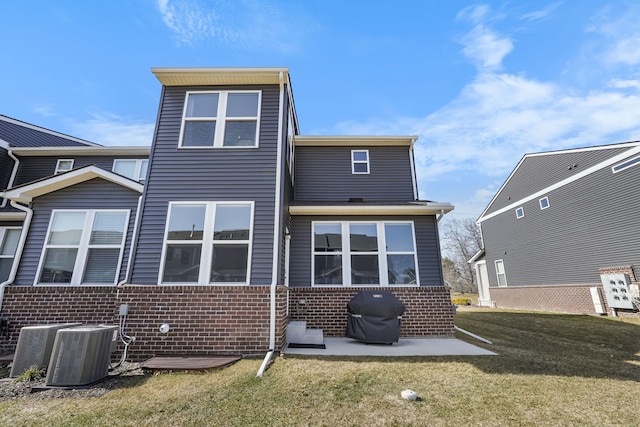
[(412, 208)]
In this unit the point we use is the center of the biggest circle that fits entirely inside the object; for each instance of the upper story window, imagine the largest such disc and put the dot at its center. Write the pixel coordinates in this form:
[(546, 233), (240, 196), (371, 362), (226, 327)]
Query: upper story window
[(625, 165), (544, 203), (9, 237), (364, 253), (207, 242), (221, 119), (359, 161), (64, 165), (83, 247), (135, 169), (520, 212)]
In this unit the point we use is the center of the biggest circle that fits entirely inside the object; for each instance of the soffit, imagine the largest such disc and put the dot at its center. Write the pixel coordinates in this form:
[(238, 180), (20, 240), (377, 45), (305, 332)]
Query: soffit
[(219, 76)]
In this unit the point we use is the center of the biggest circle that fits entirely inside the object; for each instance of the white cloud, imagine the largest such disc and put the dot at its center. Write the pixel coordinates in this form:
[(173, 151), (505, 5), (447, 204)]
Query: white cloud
[(540, 14), (620, 34), (486, 48), (110, 129), (249, 24)]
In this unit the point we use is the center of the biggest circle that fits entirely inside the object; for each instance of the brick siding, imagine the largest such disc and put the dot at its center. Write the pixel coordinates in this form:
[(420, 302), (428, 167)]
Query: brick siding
[(204, 320), (428, 309)]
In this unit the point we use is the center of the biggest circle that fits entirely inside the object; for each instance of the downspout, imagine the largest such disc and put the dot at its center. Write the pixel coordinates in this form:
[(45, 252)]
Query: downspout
[(414, 176), (439, 217), (14, 172), (134, 242), (19, 248), (276, 238)]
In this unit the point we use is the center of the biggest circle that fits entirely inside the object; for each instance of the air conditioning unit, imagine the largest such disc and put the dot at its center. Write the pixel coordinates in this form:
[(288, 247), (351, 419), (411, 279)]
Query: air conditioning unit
[(34, 347), (81, 355)]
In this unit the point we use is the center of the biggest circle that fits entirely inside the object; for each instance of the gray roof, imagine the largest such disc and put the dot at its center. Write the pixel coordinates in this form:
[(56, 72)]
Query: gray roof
[(21, 134)]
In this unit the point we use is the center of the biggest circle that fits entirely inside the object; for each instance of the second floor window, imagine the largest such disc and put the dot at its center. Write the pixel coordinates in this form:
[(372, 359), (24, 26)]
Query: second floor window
[(221, 119), (135, 169), (359, 161)]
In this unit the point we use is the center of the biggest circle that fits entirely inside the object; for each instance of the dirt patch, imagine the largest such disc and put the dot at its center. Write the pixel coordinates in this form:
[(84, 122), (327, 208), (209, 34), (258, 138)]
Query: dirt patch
[(127, 375)]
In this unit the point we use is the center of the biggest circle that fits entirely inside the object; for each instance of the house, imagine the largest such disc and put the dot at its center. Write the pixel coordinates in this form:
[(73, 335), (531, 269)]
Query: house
[(233, 227), (561, 234)]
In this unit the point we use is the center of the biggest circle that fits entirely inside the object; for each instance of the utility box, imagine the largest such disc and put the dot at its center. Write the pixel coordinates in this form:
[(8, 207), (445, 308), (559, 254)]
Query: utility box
[(617, 290), (81, 355), (34, 347)]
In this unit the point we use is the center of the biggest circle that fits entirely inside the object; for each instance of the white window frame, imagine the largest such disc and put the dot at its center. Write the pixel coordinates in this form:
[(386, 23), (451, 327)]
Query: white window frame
[(626, 165), (207, 243), (500, 272), (361, 162), (220, 119), (4, 231), (60, 169), (382, 254), (83, 248), (137, 176), (520, 212), (544, 200)]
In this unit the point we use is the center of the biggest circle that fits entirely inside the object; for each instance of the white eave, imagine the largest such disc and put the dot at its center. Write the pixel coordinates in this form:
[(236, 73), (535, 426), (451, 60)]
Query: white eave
[(476, 256), (12, 216), (219, 76), (428, 208), (26, 193), (82, 151), (347, 140)]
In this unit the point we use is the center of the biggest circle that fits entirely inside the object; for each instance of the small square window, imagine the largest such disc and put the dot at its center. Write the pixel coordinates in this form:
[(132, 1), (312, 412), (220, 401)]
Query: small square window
[(544, 203), (520, 212), (63, 165), (359, 161)]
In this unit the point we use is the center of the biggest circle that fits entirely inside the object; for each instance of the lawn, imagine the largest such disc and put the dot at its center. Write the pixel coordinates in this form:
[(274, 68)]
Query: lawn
[(552, 369)]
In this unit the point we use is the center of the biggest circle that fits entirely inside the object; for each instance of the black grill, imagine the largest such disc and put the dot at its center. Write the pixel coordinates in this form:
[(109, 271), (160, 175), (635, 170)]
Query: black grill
[(374, 317)]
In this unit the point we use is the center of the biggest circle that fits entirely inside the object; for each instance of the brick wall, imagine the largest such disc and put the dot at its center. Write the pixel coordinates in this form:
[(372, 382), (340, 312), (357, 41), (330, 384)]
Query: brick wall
[(428, 309), (574, 299), (204, 320)]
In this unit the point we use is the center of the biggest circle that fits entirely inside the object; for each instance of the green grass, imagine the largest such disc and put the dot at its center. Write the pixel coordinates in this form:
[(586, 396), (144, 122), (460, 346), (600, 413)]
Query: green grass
[(551, 370)]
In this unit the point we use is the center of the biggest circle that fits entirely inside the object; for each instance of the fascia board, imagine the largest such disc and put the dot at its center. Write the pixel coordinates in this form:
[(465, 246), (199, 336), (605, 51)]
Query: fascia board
[(12, 216), (81, 151), (606, 163), (350, 141), (219, 76), (26, 193), (427, 209)]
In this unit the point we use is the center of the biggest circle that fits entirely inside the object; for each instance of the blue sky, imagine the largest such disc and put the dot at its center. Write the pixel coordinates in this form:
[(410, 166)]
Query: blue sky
[(481, 83)]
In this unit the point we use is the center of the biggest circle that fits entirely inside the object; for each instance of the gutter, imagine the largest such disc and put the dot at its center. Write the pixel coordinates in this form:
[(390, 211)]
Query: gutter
[(16, 163), (19, 248), (277, 213)]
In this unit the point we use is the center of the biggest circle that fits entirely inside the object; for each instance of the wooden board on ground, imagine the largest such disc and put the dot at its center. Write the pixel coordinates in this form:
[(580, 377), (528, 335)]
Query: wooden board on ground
[(188, 363)]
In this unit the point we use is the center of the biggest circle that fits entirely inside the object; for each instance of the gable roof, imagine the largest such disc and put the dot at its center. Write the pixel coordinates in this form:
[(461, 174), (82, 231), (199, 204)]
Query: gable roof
[(539, 173), (21, 134), (26, 192)]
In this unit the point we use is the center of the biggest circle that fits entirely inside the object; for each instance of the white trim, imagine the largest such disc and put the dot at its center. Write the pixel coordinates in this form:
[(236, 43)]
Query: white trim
[(519, 212), (426, 208), (12, 216), (26, 193), (193, 76), (360, 162), (207, 243), (221, 119), (348, 140), (381, 253), (626, 165), (82, 247), (503, 273), (606, 163), (59, 169), (82, 151), (414, 179), (546, 200)]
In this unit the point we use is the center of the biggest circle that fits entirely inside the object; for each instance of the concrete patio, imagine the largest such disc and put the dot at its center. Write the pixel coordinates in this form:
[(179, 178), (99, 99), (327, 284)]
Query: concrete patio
[(404, 347)]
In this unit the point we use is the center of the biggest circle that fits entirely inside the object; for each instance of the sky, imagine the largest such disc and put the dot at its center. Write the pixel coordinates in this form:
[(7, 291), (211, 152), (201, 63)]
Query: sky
[(480, 83)]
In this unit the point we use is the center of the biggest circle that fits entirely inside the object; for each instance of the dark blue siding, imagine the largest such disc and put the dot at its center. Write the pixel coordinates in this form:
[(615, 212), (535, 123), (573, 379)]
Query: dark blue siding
[(208, 174), (324, 174), (93, 194)]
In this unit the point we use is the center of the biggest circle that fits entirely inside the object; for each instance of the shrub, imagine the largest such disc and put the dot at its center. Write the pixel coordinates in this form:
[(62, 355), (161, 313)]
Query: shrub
[(461, 301), (32, 374)]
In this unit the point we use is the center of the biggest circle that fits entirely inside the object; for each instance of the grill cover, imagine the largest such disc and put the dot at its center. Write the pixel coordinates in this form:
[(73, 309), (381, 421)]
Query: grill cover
[(374, 317)]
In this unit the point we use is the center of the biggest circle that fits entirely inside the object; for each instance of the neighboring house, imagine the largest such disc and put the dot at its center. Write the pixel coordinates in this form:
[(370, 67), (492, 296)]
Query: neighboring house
[(561, 229), (242, 225)]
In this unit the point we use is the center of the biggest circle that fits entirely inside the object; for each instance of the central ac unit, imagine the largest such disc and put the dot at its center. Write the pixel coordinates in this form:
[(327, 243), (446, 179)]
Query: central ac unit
[(81, 355), (34, 347)]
